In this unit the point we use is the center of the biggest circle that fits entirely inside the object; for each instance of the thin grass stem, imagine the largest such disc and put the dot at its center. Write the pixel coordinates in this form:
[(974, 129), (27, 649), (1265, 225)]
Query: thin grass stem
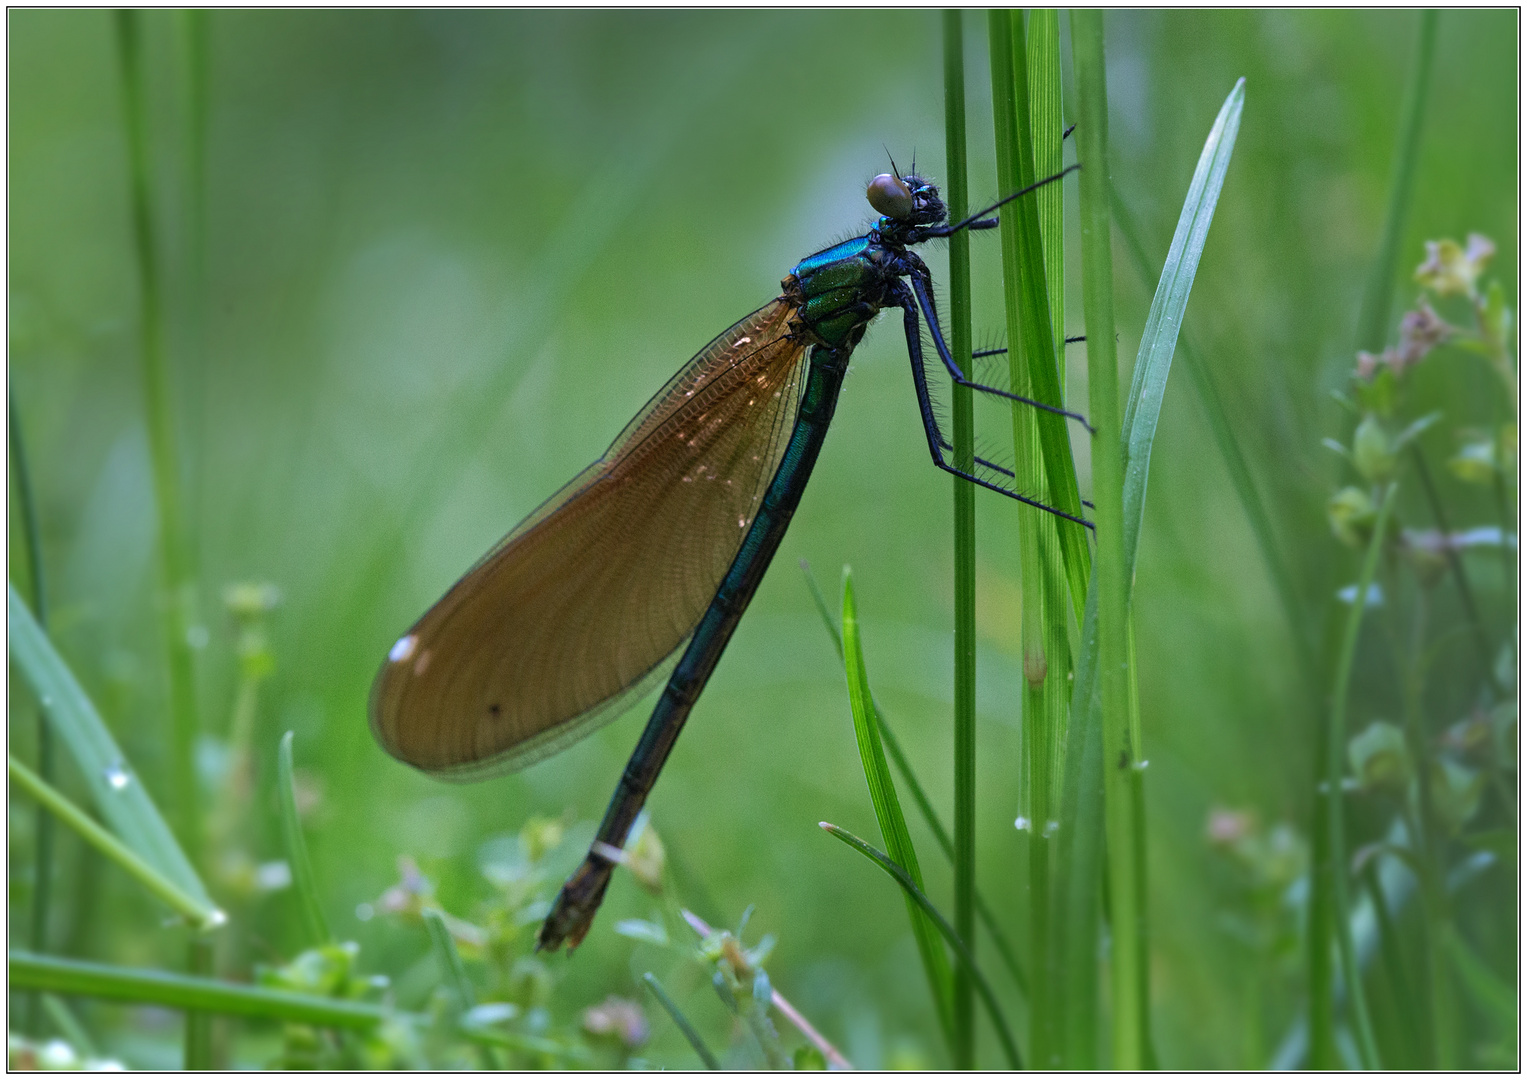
[(197, 912), (198, 1035), (681, 1022), (1046, 644), (174, 560), (42, 837), (1121, 753), (958, 328), (1336, 741), (147, 986)]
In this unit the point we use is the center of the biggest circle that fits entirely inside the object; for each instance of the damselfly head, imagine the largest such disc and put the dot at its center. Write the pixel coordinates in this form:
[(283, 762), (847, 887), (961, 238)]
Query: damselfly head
[(906, 200)]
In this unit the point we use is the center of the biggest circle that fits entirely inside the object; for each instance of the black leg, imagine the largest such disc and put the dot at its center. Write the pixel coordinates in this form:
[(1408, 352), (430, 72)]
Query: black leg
[(925, 299), (979, 353), (972, 221), (936, 442)]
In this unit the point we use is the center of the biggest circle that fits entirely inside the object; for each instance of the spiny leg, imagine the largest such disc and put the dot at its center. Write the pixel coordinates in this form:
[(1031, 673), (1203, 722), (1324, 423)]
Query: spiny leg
[(925, 299), (902, 295)]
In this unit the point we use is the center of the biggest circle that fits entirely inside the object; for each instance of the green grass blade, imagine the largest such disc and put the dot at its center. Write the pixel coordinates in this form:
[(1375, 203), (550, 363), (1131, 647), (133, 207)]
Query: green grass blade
[(1230, 450), (1158, 342), (198, 912), (1335, 868), (893, 826), (1045, 633), (296, 845), (1121, 749), (681, 1021), (920, 797), (117, 791), (958, 328), (1029, 324), (916, 896), (29, 971), (1079, 855)]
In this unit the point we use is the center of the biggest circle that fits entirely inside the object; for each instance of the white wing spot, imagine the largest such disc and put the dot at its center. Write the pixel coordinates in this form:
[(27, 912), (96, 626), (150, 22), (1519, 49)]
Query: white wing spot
[(742, 523)]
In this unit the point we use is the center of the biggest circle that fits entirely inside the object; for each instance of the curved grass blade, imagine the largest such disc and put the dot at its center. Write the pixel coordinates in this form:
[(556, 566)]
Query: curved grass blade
[(916, 896), (920, 797), (28, 971), (118, 794), (1159, 340), (196, 911), (893, 826), (681, 1022), (296, 845)]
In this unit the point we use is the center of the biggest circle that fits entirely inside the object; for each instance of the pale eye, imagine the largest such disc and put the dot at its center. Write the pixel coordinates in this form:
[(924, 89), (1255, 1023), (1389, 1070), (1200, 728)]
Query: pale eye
[(889, 196)]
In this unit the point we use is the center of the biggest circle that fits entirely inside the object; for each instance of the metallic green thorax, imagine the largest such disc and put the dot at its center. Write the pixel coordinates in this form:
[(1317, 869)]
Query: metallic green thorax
[(840, 290)]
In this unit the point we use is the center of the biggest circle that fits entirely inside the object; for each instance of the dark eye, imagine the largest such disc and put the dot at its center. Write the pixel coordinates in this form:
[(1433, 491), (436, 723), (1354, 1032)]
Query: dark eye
[(889, 196)]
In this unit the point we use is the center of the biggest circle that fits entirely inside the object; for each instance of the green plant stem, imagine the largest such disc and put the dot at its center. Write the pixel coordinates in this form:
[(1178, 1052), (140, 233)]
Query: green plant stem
[(916, 895), (42, 837), (174, 557), (1046, 646), (681, 1021), (1336, 741), (1120, 753), (198, 1051), (1029, 325), (958, 328), (29, 971), (198, 913), (1427, 835)]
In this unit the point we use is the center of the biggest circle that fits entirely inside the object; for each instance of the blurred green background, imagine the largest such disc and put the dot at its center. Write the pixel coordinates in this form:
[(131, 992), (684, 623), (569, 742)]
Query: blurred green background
[(449, 254)]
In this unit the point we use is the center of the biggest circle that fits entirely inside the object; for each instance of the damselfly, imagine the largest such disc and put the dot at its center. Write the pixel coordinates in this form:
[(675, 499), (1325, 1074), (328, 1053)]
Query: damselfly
[(652, 553)]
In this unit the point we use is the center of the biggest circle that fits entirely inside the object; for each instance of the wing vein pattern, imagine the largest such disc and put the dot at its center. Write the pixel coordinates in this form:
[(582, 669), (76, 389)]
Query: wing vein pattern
[(583, 607)]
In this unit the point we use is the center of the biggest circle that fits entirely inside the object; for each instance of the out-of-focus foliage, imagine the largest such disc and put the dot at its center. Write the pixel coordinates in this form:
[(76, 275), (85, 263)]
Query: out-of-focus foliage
[(447, 255)]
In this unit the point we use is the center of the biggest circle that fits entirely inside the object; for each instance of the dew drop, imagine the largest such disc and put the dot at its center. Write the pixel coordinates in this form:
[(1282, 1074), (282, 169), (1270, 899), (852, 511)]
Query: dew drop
[(742, 523), (116, 776), (1021, 824)]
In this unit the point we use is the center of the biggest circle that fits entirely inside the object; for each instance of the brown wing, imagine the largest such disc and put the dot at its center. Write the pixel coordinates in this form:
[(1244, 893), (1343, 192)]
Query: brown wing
[(574, 613)]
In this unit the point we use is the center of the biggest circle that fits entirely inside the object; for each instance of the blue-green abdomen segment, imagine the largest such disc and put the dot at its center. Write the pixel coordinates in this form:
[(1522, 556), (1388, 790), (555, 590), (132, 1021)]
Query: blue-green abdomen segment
[(840, 289), (818, 400)]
